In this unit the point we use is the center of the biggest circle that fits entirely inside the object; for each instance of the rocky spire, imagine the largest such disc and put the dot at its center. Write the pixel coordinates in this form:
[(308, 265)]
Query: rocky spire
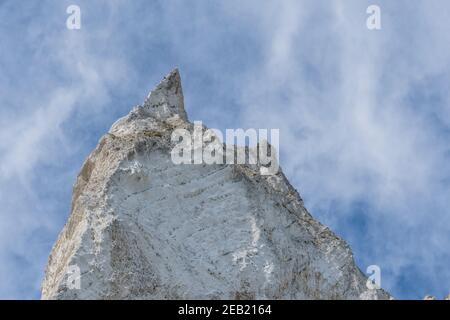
[(166, 100), (144, 227)]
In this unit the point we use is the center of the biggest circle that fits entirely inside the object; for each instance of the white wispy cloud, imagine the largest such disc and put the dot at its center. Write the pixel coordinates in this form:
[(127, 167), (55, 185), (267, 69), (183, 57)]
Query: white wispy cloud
[(32, 136), (351, 132)]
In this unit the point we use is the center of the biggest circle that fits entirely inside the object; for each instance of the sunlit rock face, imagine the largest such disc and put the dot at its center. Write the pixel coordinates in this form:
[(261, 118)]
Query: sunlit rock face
[(142, 227)]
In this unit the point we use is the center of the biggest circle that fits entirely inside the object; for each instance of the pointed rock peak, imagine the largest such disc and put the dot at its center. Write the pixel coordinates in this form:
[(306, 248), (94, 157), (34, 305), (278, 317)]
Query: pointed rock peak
[(166, 100)]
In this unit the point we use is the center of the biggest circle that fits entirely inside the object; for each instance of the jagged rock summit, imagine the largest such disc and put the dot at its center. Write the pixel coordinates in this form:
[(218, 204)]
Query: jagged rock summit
[(142, 227)]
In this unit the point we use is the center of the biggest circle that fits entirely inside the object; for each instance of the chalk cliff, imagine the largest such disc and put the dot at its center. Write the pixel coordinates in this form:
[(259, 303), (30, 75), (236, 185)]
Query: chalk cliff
[(142, 227)]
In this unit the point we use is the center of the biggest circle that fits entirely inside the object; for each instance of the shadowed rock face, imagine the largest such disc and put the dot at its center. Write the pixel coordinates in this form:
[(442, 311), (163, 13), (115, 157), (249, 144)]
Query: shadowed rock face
[(142, 227)]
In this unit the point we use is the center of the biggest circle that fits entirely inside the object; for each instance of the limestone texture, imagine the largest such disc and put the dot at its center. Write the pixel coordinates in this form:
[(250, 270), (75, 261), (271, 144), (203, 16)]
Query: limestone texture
[(142, 227)]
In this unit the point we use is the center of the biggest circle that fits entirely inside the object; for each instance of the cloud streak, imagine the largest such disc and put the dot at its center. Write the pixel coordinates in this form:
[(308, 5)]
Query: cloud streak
[(354, 130)]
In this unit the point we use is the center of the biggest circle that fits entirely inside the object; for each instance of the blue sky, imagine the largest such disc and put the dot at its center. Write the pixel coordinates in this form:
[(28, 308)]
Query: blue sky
[(364, 116)]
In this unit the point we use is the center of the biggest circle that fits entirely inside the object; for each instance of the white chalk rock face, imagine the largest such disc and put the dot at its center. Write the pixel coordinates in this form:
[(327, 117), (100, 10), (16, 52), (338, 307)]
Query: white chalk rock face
[(142, 227)]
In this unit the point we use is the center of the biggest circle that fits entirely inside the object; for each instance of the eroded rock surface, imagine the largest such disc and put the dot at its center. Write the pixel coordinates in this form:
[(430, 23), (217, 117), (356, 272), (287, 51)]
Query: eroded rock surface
[(142, 227)]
